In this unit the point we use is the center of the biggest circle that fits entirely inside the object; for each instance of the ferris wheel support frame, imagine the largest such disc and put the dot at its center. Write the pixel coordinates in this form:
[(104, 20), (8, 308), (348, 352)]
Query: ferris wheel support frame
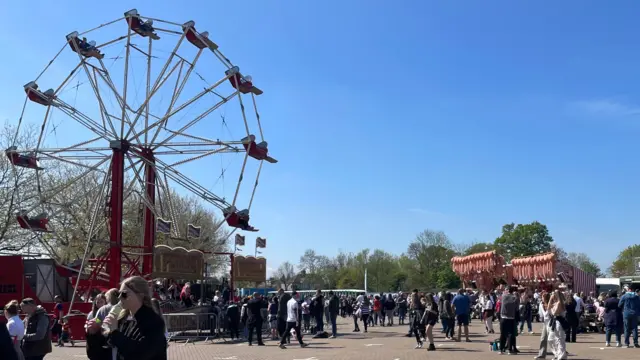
[(149, 238), (120, 149)]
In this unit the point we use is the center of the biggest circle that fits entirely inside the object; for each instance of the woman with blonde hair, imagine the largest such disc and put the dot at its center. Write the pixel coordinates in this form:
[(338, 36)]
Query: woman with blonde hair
[(138, 332), (556, 311), (15, 326)]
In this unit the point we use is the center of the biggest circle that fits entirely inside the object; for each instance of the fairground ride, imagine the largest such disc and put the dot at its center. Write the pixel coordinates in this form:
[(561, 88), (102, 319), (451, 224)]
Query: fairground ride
[(135, 113)]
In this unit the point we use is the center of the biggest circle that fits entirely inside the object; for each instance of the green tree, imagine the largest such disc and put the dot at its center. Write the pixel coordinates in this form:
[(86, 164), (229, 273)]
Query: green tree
[(382, 268), (432, 252), (523, 240), (583, 262), (625, 263), (479, 248)]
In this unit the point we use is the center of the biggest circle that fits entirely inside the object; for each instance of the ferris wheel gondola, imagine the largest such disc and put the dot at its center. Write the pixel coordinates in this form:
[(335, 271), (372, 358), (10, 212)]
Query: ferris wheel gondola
[(136, 148)]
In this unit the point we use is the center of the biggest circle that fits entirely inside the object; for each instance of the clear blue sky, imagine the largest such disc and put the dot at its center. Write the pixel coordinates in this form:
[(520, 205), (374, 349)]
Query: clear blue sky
[(392, 117)]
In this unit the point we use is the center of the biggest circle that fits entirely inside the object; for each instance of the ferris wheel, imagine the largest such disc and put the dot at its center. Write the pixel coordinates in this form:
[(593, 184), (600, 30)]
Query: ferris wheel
[(137, 107)]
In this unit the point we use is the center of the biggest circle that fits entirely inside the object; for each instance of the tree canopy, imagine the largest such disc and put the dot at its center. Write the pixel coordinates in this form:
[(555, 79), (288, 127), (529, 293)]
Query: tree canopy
[(426, 265), (625, 263), (583, 262), (523, 240)]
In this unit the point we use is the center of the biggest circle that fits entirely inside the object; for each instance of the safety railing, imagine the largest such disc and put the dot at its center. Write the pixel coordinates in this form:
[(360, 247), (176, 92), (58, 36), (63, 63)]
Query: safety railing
[(190, 327)]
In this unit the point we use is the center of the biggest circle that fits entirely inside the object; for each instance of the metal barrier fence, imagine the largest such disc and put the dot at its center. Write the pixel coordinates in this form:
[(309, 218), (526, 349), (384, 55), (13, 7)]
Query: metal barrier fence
[(193, 326)]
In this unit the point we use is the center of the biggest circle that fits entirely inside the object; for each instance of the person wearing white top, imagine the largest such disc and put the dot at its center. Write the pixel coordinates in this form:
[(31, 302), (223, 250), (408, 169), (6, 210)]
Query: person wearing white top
[(579, 304), (15, 327), (488, 311), (293, 321), (544, 316)]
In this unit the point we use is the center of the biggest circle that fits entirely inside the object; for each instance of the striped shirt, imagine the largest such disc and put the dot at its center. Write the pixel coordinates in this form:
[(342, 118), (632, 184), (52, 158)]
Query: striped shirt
[(364, 309)]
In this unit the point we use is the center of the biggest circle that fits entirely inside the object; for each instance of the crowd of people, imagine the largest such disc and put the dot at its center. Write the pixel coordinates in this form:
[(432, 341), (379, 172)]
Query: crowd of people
[(126, 321), (124, 324)]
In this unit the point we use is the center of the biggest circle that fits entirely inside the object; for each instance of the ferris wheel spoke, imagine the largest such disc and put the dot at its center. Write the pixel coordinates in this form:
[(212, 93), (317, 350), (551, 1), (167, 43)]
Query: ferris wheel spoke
[(103, 25), (69, 160), (177, 91), (58, 189), (196, 120), (144, 105), (255, 108), (198, 157), (67, 79), (75, 147), (62, 207), (189, 102), (51, 62), (83, 119), (148, 87), (240, 178), (92, 227), (44, 125), (202, 142), (164, 186), (96, 91), (255, 185), (191, 185), (103, 72), (126, 79), (199, 152), (136, 174), (223, 59), (159, 80)]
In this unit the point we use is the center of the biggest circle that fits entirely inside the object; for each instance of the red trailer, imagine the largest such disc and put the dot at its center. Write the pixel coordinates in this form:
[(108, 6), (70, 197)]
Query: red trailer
[(41, 280), (484, 270), (545, 271)]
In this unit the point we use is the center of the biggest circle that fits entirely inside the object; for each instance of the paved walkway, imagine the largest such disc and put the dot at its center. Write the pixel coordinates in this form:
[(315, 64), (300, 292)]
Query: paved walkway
[(380, 343)]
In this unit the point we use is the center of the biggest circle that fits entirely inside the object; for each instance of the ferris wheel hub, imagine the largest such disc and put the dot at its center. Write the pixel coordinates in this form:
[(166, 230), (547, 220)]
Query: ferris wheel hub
[(121, 145)]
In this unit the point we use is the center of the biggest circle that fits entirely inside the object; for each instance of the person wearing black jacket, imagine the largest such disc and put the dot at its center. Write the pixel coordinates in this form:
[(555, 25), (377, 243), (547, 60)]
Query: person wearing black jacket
[(572, 318), (6, 345), (318, 311), (137, 332), (254, 320), (36, 342), (389, 306), (334, 308), (233, 319), (283, 299), (613, 320)]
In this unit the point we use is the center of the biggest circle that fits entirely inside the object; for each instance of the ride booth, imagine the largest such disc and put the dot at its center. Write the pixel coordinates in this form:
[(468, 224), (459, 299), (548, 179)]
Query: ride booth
[(546, 272), (483, 271), (42, 280)]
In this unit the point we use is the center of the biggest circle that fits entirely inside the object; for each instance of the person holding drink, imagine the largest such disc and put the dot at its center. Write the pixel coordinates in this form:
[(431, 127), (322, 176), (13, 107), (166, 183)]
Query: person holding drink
[(132, 327)]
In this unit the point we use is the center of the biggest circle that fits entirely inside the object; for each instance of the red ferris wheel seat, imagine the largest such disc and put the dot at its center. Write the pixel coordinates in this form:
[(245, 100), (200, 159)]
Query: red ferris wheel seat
[(83, 47), (37, 223), (17, 159), (43, 98), (244, 85), (142, 28), (238, 219), (200, 40), (258, 151)]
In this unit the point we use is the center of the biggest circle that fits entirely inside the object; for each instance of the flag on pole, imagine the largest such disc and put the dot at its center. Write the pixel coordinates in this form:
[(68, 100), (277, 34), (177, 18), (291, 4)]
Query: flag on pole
[(239, 240), (163, 226), (193, 231), (261, 243)]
